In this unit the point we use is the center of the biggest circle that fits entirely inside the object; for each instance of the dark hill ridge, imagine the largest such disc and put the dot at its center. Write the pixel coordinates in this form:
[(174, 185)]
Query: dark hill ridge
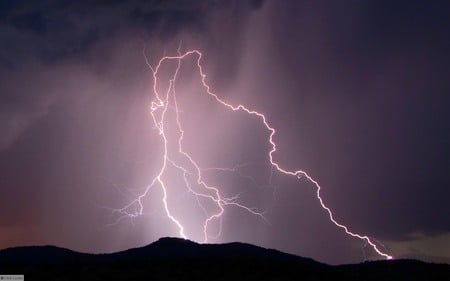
[(179, 259), (176, 248), (163, 249)]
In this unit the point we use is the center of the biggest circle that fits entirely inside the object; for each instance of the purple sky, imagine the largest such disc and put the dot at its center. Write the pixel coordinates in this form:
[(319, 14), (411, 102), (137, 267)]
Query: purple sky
[(358, 92)]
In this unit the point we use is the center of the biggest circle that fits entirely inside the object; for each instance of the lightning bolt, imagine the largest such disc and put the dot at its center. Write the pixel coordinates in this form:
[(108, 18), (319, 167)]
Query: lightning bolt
[(192, 173)]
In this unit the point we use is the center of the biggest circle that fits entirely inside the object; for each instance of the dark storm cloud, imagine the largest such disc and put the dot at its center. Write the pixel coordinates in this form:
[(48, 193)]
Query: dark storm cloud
[(63, 28)]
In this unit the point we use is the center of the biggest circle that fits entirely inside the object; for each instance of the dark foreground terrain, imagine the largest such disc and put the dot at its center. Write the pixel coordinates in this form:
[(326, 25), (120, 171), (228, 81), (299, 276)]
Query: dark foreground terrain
[(178, 259)]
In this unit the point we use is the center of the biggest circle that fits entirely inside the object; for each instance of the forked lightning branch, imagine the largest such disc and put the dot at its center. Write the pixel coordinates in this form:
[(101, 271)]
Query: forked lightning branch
[(204, 192)]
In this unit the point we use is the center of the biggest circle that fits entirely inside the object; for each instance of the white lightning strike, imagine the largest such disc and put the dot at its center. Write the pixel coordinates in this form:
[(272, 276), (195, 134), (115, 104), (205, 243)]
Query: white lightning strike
[(158, 110)]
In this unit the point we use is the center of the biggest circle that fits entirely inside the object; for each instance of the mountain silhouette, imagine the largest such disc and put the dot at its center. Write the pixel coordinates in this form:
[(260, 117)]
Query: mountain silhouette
[(180, 259)]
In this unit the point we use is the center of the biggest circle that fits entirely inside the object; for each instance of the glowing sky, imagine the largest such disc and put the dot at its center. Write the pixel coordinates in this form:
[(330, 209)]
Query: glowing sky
[(358, 94)]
